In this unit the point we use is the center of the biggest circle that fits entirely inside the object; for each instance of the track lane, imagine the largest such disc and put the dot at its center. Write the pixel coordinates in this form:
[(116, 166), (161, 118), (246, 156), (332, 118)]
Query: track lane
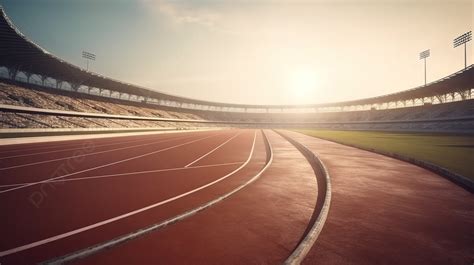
[(384, 210), (89, 150), (134, 191), (79, 165), (96, 143), (18, 149), (175, 157), (141, 159), (123, 174), (29, 157)]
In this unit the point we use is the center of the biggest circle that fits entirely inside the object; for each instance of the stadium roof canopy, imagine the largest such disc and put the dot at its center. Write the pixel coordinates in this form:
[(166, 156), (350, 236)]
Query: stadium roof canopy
[(18, 52)]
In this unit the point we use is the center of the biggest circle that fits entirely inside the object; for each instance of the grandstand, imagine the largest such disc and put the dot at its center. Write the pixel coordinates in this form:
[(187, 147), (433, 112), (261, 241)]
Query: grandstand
[(34, 79), (453, 116), (40, 98)]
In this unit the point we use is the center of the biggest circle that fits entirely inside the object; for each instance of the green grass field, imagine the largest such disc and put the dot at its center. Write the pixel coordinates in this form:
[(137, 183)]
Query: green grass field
[(453, 152)]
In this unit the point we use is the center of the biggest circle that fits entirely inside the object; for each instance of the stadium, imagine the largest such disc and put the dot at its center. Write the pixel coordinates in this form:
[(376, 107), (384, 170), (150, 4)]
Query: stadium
[(96, 170)]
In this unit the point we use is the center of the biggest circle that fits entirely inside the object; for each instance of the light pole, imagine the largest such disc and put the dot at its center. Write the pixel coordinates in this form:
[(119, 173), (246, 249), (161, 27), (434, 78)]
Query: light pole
[(463, 39), (424, 55), (88, 56)]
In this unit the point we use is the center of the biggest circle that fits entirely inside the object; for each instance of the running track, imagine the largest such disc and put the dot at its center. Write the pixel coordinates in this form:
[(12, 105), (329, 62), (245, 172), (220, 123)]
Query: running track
[(116, 194), (67, 196)]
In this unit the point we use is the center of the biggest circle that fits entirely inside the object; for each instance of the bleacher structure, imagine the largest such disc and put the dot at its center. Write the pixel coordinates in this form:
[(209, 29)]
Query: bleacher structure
[(40, 90)]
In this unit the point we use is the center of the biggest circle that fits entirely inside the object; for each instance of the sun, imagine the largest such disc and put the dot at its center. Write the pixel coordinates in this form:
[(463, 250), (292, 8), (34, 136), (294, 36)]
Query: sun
[(302, 83)]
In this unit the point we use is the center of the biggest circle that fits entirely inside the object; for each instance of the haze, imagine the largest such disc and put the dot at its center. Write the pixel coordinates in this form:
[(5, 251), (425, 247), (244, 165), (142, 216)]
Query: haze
[(256, 52)]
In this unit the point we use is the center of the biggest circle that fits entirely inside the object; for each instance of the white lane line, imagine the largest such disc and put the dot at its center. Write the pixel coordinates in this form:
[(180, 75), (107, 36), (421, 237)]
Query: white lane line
[(92, 226), (48, 145), (73, 148), (38, 148), (88, 154), (128, 173), (83, 253), (105, 165), (210, 152)]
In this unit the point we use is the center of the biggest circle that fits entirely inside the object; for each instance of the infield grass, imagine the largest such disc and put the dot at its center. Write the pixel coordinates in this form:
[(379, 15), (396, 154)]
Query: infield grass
[(454, 152)]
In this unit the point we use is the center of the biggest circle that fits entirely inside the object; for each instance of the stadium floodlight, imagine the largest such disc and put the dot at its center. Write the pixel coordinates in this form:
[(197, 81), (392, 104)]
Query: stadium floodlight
[(88, 56), (424, 55), (463, 39)]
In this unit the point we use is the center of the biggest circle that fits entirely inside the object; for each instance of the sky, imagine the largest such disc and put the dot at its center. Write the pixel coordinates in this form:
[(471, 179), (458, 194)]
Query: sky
[(255, 52)]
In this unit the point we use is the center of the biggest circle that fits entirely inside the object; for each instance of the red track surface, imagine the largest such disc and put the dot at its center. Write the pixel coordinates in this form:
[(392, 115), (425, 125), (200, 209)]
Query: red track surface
[(90, 186), (67, 206), (385, 211), (262, 224), (76, 194)]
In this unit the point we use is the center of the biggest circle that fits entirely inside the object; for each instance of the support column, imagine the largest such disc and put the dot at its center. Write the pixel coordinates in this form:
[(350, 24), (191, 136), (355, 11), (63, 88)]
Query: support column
[(59, 84), (12, 72), (28, 76), (43, 78), (440, 99)]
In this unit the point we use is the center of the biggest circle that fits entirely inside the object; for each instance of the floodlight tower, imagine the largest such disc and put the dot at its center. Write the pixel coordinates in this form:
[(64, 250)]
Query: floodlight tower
[(88, 56), (424, 55), (463, 39)]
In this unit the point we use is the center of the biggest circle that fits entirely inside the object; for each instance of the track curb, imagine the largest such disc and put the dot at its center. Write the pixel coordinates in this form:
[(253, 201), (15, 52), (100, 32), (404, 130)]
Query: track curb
[(322, 204)]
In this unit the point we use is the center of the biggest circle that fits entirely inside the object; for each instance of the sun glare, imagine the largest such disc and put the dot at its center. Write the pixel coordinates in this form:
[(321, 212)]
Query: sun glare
[(302, 83)]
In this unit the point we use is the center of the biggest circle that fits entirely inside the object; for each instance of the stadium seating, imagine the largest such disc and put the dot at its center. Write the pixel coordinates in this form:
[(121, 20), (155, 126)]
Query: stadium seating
[(437, 111), (436, 117), (71, 101)]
